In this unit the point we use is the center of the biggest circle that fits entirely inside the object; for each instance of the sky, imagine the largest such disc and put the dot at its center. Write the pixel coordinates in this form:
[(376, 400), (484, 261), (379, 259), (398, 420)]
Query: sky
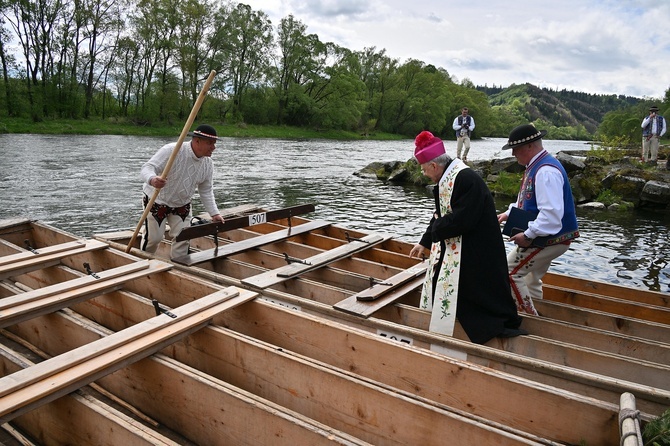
[(591, 46)]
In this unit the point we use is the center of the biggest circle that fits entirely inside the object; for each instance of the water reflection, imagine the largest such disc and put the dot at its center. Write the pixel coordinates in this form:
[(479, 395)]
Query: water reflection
[(87, 184)]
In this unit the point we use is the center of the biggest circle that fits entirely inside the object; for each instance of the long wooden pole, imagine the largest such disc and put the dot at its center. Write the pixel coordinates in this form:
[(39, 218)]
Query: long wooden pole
[(175, 151)]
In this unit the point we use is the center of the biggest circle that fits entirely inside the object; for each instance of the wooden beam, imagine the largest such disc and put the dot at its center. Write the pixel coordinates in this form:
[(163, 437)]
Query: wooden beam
[(586, 317), (640, 295), (40, 252), (238, 247), (278, 275), (357, 307), (52, 298), (481, 391), (89, 420), (32, 263), (613, 305), (48, 380), (192, 404), (241, 222)]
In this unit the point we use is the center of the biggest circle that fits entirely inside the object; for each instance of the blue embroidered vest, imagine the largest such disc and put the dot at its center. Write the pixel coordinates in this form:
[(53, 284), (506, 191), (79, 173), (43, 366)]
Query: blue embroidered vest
[(528, 200), (468, 120), (659, 125)]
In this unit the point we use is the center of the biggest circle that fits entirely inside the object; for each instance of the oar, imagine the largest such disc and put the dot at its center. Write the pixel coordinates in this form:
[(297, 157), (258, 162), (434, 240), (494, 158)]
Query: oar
[(175, 151)]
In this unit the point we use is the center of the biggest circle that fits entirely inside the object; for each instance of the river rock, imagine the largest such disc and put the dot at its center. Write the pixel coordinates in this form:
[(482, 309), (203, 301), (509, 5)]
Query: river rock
[(656, 192), (592, 205)]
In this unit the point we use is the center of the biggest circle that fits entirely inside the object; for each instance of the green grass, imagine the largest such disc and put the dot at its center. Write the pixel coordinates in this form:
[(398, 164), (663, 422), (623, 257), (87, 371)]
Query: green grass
[(116, 126)]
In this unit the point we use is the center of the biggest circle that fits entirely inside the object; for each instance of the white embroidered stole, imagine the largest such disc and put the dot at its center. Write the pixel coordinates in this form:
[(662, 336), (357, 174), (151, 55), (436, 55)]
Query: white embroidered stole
[(443, 306)]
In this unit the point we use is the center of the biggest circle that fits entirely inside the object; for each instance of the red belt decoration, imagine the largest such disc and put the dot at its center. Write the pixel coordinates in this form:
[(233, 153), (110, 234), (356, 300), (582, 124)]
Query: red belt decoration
[(160, 211)]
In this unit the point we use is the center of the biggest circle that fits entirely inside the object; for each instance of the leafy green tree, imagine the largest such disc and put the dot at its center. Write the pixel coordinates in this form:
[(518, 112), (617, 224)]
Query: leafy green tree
[(249, 38)]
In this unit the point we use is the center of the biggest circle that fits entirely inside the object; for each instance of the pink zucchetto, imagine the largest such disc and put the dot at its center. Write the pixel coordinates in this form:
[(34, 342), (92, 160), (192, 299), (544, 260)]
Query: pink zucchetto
[(427, 147)]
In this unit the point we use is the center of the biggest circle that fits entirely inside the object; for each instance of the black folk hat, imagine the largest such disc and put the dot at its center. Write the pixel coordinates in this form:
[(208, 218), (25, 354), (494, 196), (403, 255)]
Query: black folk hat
[(523, 134), (204, 131), (653, 108)]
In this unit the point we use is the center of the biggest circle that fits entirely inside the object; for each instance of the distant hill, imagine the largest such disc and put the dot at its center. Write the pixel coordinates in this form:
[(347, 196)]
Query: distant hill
[(561, 108)]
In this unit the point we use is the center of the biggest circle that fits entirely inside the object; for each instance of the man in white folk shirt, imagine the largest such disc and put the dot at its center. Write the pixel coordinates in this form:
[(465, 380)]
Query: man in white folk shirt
[(545, 192)]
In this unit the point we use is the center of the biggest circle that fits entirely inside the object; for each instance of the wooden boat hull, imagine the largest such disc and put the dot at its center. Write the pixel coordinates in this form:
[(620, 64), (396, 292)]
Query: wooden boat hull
[(263, 373), (622, 353)]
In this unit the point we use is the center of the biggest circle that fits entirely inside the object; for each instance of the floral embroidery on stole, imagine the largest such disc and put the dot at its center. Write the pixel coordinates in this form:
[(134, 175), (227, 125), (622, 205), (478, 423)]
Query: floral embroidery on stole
[(443, 316)]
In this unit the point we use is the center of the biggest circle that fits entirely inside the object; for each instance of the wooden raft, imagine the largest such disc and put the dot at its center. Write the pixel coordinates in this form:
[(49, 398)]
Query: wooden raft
[(29, 388), (379, 295), (46, 300), (21, 263), (292, 270), (245, 245)]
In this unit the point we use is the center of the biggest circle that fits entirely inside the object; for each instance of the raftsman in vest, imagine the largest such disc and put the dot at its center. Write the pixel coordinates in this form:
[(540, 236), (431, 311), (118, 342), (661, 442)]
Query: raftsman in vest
[(646, 131), (528, 200), (468, 121)]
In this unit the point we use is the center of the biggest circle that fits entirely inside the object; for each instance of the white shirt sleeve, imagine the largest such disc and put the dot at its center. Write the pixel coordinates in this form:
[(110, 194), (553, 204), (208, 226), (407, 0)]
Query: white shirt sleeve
[(665, 127), (549, 196), (472, 123), (645, 122), (456, 125)]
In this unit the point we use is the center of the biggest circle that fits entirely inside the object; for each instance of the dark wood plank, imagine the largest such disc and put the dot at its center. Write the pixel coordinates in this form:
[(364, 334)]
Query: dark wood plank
[(245, 245), (242, 222)]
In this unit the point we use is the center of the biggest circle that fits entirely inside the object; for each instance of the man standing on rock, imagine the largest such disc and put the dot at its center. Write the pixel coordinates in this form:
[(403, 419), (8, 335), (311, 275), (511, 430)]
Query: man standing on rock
[(653, 127), (546, 195), (463, 125)]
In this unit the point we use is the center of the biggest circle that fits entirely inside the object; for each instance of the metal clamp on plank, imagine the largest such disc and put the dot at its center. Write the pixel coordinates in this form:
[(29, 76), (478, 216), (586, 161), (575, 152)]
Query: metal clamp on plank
[(90, 272), (160, 310), (290, 260), (375, 281), (26, 242)]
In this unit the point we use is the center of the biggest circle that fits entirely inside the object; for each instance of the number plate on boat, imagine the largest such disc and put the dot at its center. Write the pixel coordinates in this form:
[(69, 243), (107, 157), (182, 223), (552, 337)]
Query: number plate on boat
[(257, 219)]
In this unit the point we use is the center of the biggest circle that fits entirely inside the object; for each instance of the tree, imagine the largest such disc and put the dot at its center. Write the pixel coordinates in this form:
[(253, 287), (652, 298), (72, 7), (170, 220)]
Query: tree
[(248, 34)]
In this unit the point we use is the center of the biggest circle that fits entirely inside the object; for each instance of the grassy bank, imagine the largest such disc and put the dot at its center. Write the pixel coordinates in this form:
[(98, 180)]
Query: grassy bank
[(115, 126)]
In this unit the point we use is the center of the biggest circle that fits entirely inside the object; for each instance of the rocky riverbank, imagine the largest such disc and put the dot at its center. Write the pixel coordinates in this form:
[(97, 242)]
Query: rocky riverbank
[(598, 179)]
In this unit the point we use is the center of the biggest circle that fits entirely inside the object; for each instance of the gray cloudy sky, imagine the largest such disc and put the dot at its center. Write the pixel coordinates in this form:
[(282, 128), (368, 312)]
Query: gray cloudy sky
[(594, 46)]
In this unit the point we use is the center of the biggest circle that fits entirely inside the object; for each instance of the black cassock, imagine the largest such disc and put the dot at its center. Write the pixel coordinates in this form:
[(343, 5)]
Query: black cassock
[(485, 305)]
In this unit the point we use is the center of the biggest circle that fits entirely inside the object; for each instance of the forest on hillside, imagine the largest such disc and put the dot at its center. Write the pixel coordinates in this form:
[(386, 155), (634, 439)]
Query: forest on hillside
[(145, 61)]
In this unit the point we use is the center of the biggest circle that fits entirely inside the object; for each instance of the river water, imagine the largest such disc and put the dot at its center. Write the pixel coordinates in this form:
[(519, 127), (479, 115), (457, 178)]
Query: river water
[(90, 184)]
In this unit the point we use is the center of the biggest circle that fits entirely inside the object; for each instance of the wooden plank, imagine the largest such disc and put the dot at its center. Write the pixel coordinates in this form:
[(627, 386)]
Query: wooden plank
[(192, 404), (586, 317), (89, 420), (354, 306), (255, 242), (390, 284), (55, 297), (608, 289), (292, 270), (497, 396), (40, 252), (241, 222), (29, 388), (613, 305), (39, 262)]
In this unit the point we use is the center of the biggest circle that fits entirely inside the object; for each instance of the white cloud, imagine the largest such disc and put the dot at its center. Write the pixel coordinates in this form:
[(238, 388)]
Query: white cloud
[(597, 46)]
